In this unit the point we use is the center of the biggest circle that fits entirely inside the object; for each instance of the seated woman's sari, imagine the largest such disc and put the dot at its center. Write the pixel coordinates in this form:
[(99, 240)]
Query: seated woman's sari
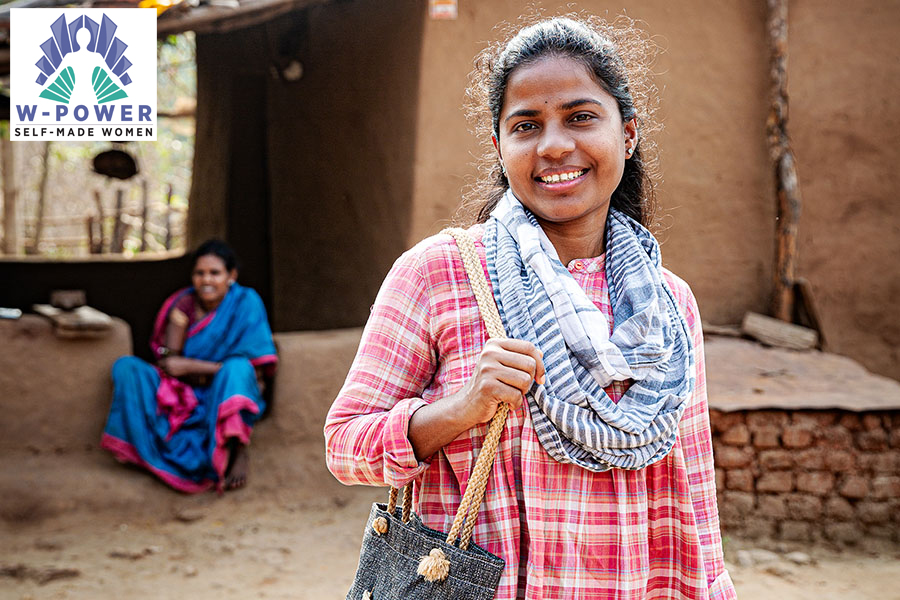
[(180, 432)]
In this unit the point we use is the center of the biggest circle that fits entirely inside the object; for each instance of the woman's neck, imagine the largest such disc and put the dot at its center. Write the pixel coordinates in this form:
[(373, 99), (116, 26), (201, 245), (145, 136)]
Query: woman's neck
[(575, 242)]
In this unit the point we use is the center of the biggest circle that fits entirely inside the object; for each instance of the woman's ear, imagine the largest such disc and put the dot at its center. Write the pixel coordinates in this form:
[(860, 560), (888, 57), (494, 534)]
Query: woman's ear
[(631, 136), (496, 143), (233, 274)]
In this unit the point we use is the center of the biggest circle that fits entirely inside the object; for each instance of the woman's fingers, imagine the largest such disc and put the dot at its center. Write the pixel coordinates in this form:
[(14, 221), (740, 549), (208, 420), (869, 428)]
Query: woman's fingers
[(520, 355)]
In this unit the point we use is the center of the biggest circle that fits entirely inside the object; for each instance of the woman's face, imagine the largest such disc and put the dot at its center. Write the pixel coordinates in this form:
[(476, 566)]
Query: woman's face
[(563, 143), (211, 280)]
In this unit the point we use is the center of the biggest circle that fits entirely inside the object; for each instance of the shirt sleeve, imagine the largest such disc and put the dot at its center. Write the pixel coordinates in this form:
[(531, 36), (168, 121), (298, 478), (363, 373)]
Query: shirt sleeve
[(366, 430), (696, 442)]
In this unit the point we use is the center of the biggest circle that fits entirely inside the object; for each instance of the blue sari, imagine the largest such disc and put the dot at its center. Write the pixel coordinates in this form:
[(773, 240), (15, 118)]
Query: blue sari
[(180, 432)]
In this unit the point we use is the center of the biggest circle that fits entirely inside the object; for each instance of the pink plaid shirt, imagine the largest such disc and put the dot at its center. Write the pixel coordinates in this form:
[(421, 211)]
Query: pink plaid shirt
[(564, 532)]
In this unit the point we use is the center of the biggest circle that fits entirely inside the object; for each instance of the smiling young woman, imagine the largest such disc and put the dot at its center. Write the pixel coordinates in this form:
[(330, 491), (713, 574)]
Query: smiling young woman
[(603, 484)]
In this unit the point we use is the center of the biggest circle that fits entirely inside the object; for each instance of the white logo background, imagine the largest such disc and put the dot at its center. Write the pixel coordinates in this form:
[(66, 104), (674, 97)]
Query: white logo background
[(30, 27)]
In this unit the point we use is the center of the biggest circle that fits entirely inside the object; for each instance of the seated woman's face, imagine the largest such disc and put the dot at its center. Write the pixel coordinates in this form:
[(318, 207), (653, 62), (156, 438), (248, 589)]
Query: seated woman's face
[(210, 279), (562, 141)]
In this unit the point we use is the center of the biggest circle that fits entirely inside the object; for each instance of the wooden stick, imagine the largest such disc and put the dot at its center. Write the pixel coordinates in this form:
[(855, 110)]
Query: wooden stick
[(145, 214), (786, 187), (169, 217), (10, 231)]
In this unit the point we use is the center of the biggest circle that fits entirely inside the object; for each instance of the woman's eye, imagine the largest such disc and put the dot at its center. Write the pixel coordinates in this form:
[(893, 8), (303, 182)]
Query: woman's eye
[(524, 127), (583, 117)]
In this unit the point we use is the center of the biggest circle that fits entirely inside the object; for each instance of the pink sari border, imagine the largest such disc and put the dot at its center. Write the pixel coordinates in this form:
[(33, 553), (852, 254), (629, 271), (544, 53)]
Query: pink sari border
[(265, 359), (229, 424), (125, 452)]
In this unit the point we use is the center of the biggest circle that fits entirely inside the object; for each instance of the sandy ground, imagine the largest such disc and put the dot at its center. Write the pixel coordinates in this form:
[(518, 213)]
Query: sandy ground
[(274, 540)]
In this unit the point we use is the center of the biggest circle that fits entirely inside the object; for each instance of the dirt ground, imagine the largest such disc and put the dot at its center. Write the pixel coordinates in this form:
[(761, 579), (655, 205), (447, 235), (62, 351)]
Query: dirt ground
[(276, 540)]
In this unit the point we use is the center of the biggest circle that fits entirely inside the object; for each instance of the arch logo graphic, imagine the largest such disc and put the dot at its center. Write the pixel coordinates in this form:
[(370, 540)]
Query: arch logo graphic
[(83, 74)]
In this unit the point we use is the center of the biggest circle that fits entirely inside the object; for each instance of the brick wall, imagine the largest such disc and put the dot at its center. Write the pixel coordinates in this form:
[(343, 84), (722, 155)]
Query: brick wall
[(808, 475)]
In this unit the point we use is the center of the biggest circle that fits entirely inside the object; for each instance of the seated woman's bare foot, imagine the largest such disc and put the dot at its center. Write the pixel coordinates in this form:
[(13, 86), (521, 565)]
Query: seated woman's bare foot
[(238, 466)]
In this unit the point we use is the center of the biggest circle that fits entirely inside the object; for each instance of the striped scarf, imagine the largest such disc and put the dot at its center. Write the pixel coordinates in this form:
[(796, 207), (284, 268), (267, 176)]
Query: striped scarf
[(539, 301)]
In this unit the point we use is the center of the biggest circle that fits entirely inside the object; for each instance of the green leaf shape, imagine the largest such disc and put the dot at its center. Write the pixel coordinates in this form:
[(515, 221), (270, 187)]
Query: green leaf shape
[(61, 88), (105, 89)]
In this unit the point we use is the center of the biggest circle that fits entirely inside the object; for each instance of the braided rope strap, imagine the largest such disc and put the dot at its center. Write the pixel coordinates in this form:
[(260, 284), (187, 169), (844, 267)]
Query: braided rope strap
[(435, 566)]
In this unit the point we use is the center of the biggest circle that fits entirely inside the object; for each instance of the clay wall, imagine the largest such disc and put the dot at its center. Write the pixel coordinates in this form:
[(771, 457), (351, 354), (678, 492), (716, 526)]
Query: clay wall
[(808, 475), (717, 203)]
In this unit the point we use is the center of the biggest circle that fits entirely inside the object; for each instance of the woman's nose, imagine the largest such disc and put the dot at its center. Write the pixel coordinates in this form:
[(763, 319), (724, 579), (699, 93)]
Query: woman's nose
[(555, 142)]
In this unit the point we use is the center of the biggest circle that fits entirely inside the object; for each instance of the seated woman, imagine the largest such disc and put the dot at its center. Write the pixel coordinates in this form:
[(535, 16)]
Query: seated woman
[(188, 418)]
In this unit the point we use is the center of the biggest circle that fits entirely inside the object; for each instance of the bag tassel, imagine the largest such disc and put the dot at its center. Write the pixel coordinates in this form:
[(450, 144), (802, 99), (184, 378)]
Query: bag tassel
[(434, 567)]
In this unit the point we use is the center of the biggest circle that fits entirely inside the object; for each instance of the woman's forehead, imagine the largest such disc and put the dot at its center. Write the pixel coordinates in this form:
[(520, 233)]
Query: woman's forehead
[(553, 83)]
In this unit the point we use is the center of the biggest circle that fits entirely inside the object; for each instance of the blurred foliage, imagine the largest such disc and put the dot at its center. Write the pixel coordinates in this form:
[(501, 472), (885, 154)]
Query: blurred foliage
[(72, 183)]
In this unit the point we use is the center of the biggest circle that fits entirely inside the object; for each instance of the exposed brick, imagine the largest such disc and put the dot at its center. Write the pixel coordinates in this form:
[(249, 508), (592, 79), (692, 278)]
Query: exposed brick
[(838, 509), (882, 531), (875, 440), (886, 462), (850, 421), (720, 480), (730, 457), (873, 512), (774, 506), (837, 438), (739, 435), (804, 508), (758, 528), (847, 533), (722, 421), (819, 483), (743, 501), (811, 458), (872, 421), (796, 437), (776, 460), (766, 437), (813, 419), (894, 438), (839, 461), (885, 487), (739, 479), (775, 481), (795, 531), (854, 487), (735, 507), (761, 419)]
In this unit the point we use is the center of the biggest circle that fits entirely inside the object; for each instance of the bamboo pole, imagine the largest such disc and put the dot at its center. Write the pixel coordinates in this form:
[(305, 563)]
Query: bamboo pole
[(786, 186)]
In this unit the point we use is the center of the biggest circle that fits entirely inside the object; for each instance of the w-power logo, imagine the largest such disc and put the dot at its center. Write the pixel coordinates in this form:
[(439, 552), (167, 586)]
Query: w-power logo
[(83, 74)]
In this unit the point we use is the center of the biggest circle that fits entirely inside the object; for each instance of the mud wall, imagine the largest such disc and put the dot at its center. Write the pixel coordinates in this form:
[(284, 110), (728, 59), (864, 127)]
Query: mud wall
[(717, 206)]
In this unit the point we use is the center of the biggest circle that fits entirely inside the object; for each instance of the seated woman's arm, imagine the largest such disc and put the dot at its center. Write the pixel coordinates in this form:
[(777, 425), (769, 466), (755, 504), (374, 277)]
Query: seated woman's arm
[(176, 365)]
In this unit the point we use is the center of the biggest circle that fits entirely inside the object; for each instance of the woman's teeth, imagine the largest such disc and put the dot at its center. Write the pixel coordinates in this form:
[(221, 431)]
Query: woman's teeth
[(557, 177)]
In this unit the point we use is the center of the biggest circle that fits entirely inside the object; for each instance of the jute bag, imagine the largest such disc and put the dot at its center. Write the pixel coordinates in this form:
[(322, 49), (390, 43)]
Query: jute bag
[(401, 559)]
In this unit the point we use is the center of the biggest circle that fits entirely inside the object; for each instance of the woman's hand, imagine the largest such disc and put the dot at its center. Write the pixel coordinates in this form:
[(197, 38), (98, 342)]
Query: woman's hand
[(505, 371)]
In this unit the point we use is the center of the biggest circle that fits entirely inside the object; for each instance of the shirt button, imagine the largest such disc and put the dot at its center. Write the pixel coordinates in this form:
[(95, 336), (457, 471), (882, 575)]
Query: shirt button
[(579, 265)]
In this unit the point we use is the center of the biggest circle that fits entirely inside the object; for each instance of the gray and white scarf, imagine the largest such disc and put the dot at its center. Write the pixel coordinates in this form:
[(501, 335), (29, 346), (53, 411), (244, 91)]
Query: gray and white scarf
[(539, 301)]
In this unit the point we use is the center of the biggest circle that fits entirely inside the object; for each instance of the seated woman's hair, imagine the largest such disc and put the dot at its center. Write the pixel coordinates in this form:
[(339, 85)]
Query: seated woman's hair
[(618, 55), (216, 248)]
